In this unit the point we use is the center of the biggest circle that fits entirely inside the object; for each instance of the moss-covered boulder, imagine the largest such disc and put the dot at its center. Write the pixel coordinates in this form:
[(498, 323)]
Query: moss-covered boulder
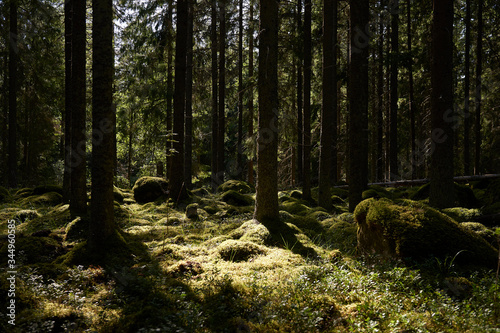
[(461, 214), (464, 196), (47, 199), (236, 250), (32, 250), (23, 193), (42, 189), (237, 186), (413, 229), (192, 211), (77, 229), (341, 235), (148, 189), (118, 194), (482, 231), (235, 198), (295, 207), (252, 231), (26, 214)]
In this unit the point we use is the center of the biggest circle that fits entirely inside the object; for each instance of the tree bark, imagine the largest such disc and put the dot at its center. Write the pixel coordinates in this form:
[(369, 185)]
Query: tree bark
[(328, 114), (222, 94), (393, 141), (467, 124), (479, 71), (68, 97), (358, 101), (250, 91), (266, 204), (188, 158), (300, 116), (306, 187), (176, 183), (239, 157), (13, 60), (215, 117), (413, 152), (380, 103), (102, 223), (78, 197), (442, 187), (170, 89)]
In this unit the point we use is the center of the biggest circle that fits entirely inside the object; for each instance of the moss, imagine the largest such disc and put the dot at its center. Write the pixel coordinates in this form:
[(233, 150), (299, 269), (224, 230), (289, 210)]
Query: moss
[(482, 231), (235, 198), (296, 194), (201, 192), (149, 189), (492, 209), (347, 217), (237, 186), (78, 229), (23, 193), (412, 229), (236, 250), (47, 199), (42, 189), (31, 250), (376, 192), (25, 298), (295, 207), (342, 235), (308, 224), (192, 211), (55, 218), (340, 192), (26, 215), (464, 196), (336, 200), (461, 214), (252, 231), (118, 194)]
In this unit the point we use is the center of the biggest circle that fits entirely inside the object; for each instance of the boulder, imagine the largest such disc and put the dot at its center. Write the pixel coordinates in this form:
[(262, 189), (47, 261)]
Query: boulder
[(235, 198), (148, 189), (237, 186), (192, 212), (411, 229), (235, 250)]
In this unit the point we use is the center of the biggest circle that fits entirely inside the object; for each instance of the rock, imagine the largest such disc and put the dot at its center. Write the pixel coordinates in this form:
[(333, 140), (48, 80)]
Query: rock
[(237, 186), (461, 214), (252, 231), (412, 229), (235, 198), (26, 214), (235, 250), (192, 212), (296, 194), (148, 189), (77, 230), (482, 231)]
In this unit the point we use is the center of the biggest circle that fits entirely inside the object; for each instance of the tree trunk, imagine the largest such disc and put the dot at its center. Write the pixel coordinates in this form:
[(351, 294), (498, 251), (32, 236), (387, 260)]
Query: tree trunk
[(239, 157), (68, 97), (479, 71), (176, 178), (170, 89), (306, 187), (442, 187), (358, 101), (102, 224), (215, 117), (188, 158), (5, 117), (13, 59), (328, 115), (467, 91), (266, 204), (413, 152), (300, 116), (78, 197), (250, 91), (380, 103), (222, 93), (393, 141)]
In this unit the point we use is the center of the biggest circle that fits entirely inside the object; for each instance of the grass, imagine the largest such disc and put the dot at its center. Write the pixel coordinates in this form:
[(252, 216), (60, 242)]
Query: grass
[(224, 273)]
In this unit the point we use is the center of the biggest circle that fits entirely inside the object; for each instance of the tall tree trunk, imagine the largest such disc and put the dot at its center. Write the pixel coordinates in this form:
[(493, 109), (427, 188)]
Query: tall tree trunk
[(393, 142), (380, 103), (239, 158), (68, 97), (306, 187), (266, 204), (479, 71), (170, 89), (328, 114), (300, 116), (467, 91), (215, 115), (78, 197), (5, 116), (13, 59), (102, 224), (176, 178), (222, 93), (188, 158), (411, 104), (334, 168), (442, 187), (250, 91), (358, 101)]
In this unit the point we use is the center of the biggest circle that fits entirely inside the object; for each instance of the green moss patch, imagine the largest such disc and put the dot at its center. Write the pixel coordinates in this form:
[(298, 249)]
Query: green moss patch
[(482, 231), (236, 250), (235, 198), (31, 250), (149, 189), (461, 214), (42, 189), (237, 186), (46, 199), (412, 229), (252, 231), (26, 215)]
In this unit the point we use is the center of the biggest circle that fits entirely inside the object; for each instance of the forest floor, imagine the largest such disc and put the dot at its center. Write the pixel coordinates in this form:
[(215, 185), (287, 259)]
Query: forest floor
[(220, 272)]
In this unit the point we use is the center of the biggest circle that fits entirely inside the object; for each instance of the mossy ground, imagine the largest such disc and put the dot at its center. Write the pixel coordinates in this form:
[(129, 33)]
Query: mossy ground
[(225, 272)]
